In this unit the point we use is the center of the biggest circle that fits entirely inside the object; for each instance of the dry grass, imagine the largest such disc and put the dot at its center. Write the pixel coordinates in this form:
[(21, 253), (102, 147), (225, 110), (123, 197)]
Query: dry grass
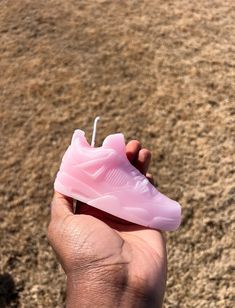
[(159, 71)]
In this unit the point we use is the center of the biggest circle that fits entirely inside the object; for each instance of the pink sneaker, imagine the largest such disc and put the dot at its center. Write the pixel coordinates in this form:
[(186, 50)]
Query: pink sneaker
[(104, 178)]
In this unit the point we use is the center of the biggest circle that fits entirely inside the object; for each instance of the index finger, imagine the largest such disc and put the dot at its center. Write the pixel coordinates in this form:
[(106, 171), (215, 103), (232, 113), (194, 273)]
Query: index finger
[(132, 149)]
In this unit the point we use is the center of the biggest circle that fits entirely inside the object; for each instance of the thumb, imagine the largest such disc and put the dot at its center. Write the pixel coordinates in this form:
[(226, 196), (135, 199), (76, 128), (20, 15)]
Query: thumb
[(61, 206)]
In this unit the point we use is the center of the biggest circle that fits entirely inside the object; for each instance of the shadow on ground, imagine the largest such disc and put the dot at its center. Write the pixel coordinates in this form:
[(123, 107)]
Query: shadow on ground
[(8, 292)]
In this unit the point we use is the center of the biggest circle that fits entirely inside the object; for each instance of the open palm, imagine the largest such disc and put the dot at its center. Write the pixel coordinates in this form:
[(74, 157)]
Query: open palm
[(87, 238)]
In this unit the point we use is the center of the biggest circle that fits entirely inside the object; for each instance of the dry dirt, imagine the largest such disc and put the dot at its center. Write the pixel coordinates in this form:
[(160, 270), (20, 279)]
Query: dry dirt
[(159, 71)]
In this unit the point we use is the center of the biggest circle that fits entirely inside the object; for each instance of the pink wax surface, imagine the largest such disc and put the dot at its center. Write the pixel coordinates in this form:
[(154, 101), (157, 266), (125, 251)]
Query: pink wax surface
[(104, 178)]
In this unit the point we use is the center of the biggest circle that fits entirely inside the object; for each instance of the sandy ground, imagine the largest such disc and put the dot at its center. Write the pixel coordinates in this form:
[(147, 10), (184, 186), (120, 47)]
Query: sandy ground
[(159, 71)]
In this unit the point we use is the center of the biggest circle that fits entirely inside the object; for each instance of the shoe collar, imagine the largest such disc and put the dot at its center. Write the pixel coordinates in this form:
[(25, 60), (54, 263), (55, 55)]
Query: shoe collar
[(113, 141)]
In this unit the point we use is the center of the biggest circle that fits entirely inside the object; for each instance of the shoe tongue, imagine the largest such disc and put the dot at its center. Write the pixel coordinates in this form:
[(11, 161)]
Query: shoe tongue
[(116, 142)]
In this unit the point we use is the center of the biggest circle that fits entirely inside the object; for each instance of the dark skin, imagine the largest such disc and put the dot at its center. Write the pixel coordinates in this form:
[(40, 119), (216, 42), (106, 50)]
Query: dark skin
[(107, 260)]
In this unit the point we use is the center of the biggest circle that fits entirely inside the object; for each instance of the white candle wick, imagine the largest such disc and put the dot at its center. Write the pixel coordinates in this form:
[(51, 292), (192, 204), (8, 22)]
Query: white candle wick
[(94, 131)]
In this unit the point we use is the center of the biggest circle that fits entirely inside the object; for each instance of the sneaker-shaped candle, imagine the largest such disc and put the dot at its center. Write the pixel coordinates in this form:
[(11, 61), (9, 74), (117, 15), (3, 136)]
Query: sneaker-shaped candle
[(104, 178)]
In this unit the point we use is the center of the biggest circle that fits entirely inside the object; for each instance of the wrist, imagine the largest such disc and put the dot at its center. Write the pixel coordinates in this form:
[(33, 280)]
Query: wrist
[(108, 288)]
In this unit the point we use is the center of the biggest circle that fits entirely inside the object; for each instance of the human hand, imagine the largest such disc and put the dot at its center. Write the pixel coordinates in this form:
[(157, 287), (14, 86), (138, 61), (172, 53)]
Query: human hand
[(108, 261)]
